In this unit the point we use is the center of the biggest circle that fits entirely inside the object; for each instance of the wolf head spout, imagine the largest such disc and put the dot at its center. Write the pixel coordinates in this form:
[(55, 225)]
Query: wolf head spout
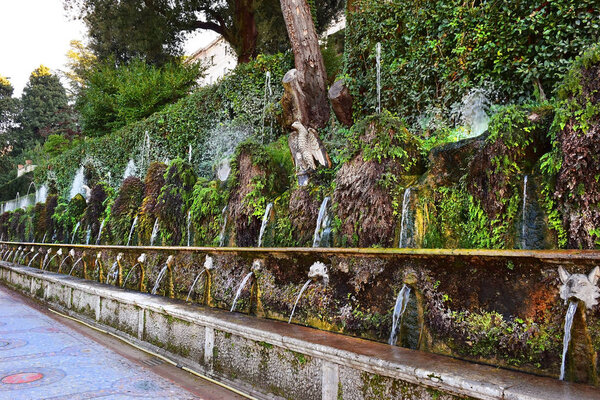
[(580, 286)]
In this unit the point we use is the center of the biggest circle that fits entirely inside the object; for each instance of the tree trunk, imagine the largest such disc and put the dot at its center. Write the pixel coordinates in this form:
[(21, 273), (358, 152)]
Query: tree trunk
[(341, 102), (309, 96), (247, 31)]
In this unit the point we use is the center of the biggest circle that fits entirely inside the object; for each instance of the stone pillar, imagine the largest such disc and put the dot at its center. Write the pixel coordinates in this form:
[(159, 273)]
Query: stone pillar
[(330, 381), (209, 345)]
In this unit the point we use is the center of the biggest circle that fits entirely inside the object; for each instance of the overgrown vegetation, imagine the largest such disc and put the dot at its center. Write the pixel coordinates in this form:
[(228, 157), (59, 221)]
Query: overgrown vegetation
[(213, 120), (572, 168), (116, 96), (434, 52)]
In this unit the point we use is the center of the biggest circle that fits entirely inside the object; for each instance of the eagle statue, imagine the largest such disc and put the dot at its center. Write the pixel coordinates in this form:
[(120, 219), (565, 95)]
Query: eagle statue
[(307, 148)]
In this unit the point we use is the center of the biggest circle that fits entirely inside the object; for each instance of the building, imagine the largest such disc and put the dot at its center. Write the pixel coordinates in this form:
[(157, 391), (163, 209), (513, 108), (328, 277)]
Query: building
[(218, 57), (23, 169)]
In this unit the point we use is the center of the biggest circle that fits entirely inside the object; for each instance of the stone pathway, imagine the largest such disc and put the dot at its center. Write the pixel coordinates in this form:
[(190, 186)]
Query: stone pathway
[(41, 358)]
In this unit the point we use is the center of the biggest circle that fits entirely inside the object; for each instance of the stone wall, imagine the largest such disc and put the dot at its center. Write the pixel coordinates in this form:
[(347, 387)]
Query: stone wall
[(271, 360), (501, 308)]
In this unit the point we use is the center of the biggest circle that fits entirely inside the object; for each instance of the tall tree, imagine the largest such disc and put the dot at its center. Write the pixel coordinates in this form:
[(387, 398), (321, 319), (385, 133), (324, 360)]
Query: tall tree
[(306, 85), (8, 107), (155, 29), (305, 103), (81, 63), (45, 107)]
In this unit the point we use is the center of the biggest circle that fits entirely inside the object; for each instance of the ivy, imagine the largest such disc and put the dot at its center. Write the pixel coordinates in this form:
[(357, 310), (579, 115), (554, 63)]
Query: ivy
[(434, 52), (235, 104)]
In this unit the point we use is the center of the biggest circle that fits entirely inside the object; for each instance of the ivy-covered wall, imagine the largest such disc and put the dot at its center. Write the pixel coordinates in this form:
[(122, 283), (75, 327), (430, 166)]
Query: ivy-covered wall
[(211, 120), (529, 182), (434, 52)]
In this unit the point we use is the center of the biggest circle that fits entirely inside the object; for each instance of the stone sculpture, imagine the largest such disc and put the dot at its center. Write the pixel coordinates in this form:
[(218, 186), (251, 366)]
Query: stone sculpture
[(306, 148), (319, 271), (580, 286)]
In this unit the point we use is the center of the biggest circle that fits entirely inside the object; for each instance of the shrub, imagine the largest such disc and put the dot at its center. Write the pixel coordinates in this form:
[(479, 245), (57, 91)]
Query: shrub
[(433, 52)]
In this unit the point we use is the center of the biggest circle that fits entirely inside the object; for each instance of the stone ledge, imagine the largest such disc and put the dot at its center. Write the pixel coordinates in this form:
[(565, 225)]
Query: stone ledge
[(450, 376)]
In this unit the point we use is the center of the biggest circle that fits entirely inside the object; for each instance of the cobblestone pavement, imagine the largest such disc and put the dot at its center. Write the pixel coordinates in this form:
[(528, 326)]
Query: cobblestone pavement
[(41, 358)]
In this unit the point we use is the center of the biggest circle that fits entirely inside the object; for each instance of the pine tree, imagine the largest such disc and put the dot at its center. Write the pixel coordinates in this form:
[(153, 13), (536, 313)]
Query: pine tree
[(45, 108), (8, 106)]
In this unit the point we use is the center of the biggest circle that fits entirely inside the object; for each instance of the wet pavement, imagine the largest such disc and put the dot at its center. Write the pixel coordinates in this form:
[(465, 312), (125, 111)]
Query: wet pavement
[(44, 357)]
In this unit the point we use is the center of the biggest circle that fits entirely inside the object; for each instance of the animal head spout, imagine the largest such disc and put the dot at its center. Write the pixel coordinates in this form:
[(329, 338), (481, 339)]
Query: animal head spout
[(580, 286), (208, 263), (319, 271)]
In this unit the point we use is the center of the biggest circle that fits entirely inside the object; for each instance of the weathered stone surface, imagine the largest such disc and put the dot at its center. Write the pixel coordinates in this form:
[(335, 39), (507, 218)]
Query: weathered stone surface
[(365, 204), (449, 163), (304, 210), (245, 225), (273, 360)]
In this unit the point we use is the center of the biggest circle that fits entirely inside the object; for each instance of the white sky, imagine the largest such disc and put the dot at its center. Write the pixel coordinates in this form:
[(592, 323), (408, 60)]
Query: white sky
[(34, 32)]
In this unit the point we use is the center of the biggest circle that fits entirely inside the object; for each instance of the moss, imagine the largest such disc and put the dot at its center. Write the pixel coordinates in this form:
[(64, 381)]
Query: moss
[(153, 183), (67, 215), (300, 358), (373, 386), (96, 208), (266, 345), (206, 211), (572, 169), (259, 175), (51, 204), (380, 161), (175, 200), (516, 141), (124, 209)]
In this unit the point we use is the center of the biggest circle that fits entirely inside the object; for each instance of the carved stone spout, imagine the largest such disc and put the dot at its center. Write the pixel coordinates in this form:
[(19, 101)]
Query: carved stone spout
[(580, 286)]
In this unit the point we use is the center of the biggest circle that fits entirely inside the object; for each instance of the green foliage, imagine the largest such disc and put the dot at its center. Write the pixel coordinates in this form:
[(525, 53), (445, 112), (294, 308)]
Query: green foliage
[(124, 209), (9, 190), (116, 96), (207, 204), (571, 169), (458, 221), (67, 215), (276, 163), (58, 144), (515, 340), (45, 108), (156, 31), (382, 137), (154, 182), (235, 103), (38, 220), (434, 52), (175, 200), (95, 212), (9, 106), (51, 204), (16, 225)]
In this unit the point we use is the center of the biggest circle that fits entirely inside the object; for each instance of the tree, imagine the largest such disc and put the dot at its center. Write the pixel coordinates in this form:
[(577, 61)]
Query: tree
[(306, 85), (81, 62), (9, 109), (45, 108), (155, 29), (305, 103), (8, 106), (114, 96)]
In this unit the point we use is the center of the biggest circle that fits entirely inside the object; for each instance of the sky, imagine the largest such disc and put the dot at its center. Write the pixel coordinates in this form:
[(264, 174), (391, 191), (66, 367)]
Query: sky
[(34, 32)]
